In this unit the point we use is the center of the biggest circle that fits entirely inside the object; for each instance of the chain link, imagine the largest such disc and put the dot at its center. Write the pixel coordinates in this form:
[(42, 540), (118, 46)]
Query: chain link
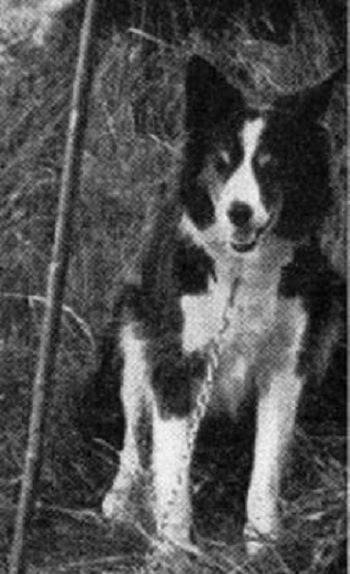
[(202, 399), (213, 351)]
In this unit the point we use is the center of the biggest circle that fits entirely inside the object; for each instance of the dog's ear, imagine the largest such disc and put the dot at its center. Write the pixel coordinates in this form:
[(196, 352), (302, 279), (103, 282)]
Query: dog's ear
[(311, 103), (209, 97)]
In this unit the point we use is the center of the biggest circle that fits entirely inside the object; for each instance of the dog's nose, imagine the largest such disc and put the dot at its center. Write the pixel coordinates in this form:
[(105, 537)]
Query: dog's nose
[(240, 213)]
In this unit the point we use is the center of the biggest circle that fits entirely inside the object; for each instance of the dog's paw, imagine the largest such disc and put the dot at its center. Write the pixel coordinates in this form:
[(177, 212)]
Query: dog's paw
[(256, 543), (167, 556), (115, 504)]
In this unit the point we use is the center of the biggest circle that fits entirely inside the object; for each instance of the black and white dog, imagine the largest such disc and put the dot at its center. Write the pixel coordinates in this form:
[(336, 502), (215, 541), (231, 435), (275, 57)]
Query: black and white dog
[(235, 295)]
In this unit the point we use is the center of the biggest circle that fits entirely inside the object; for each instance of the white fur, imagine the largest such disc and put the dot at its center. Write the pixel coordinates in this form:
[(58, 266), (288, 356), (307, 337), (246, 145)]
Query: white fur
[(277, 407), (135, 394), (200, 327), (239, 310), (263, 337), (171, 468), (243, 186)]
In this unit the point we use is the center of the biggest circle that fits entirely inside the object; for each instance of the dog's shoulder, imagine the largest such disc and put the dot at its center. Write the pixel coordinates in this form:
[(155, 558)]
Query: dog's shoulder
[(173, 264), (309, 275), (322, 291)]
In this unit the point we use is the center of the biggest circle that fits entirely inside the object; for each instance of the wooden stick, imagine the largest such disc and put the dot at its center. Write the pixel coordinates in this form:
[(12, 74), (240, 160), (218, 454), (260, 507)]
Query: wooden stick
[(55, 285)]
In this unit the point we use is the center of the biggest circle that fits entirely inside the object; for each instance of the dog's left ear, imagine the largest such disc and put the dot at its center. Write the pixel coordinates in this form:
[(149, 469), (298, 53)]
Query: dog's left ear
[(312, 103), (209, 97)]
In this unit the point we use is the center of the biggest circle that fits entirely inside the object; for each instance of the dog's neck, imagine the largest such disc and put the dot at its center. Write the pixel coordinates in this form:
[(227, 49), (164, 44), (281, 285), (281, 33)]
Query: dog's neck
[(258, 270)]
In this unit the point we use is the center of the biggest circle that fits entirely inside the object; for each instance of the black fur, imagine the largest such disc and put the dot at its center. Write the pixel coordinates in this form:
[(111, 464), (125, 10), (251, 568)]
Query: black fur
[(172, 268), (299, 146), (213, 108), (299, 170), (323, 292)]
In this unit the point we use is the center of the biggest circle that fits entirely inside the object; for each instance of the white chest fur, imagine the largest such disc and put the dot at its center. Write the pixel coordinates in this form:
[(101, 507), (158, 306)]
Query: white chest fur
[(239, 306), (239, 312), (234, 311), (234, 316)]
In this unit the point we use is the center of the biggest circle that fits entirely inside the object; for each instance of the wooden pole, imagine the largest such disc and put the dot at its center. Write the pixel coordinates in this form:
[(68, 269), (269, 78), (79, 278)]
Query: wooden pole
[(55, 285)]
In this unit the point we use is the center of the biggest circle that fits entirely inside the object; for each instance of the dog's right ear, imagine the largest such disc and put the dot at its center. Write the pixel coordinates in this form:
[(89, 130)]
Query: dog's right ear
[(209, 97), (310, 104)]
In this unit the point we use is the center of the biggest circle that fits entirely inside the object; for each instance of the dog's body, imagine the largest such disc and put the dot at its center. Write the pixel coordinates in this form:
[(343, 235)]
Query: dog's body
[(235, 296)]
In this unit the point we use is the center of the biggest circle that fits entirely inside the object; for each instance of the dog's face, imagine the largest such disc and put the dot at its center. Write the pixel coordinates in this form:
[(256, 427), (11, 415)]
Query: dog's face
[(250, 174)]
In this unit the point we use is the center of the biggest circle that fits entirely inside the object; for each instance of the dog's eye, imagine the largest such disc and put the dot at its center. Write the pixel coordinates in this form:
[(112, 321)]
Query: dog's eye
[(222, 161)]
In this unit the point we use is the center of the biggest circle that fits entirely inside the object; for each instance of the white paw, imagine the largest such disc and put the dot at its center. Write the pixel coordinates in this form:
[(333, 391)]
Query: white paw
[(174, 533), (257, 543), (114, 504), (110, 505)]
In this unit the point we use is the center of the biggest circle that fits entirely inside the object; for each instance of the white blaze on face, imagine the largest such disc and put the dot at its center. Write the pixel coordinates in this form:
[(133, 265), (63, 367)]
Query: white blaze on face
[(243, 186)]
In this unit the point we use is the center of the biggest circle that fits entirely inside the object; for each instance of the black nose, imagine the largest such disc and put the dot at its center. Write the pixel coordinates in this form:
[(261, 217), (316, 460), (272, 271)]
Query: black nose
[(240, 213)]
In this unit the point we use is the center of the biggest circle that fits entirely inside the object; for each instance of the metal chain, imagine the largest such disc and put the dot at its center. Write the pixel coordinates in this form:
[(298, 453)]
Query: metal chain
[(203, 398), (213, 351)]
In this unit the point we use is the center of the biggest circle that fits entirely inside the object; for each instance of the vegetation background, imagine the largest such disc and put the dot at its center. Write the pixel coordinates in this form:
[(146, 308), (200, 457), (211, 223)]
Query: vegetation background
[(132, 151)]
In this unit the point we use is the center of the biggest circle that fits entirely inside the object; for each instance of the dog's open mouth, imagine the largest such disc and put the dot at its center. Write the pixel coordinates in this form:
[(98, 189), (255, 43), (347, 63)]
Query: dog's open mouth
[(248, 243), (244, 247)]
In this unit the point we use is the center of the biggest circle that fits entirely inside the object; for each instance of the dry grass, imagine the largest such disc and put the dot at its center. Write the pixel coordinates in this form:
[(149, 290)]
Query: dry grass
[(133, 147)]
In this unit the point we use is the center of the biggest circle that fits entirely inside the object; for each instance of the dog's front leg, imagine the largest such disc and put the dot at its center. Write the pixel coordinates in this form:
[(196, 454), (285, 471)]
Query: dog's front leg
[(171, 477), (279, 388), (134, 400), (276, 414)]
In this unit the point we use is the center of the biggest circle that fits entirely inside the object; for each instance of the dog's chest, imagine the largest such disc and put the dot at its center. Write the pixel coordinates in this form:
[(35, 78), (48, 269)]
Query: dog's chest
[(234, 321), (234, 317)]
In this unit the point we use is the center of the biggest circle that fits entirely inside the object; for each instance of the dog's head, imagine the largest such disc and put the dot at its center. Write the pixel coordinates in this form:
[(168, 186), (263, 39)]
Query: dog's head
[(249, 174)]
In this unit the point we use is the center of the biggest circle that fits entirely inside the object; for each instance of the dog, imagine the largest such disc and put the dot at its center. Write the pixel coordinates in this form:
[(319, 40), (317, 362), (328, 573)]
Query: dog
[(235, 297)]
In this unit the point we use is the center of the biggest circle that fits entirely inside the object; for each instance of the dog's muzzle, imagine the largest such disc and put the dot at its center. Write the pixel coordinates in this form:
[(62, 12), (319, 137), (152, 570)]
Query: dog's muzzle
[(246, 233), (244, 245)]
